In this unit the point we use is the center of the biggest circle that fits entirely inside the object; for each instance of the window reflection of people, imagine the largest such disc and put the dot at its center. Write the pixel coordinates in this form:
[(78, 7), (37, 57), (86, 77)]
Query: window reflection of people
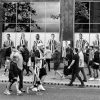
[(52, 43), (8, 44), (37, 41), (81, 43), (23, 41), (96, 42)]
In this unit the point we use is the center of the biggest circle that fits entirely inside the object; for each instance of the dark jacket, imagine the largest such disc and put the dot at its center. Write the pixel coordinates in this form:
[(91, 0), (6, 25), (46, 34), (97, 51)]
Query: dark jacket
[(14, 70)]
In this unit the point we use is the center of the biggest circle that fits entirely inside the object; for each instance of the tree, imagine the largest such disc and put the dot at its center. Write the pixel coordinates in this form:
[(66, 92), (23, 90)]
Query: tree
[(81, 12)]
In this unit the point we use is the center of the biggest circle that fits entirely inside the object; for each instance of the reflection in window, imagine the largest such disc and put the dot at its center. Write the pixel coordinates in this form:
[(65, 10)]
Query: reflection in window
[(81, 12), (95, 28), (23, 28), (52, 12), (52, 27), (9, 27), (81, 27), (38, 28), (95, 12), (10, 12), (38, 12), (23, 12)]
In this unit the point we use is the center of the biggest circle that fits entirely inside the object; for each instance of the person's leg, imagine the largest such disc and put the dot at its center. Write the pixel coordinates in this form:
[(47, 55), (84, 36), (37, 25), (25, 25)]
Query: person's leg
[(48, 62), (73, 78), (84, 75), (20, 79), (78, 76)]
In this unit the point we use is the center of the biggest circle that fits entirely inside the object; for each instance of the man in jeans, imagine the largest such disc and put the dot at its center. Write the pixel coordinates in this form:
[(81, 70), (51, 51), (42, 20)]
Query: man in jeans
[(75, 71)]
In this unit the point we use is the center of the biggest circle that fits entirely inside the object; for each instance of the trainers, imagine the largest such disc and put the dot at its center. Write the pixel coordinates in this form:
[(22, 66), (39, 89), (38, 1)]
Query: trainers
[(40, 87), (91, 79), (19, 92), (34, 89), (7, 92)]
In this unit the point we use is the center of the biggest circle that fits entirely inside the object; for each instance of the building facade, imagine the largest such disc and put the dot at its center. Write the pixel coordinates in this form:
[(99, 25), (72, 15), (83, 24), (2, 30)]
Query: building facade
[(64, 18)]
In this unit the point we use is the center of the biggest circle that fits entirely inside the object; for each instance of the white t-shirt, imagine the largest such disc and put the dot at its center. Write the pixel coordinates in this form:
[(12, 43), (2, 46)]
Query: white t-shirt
[(48, 54), (20, 59), (81, 59)]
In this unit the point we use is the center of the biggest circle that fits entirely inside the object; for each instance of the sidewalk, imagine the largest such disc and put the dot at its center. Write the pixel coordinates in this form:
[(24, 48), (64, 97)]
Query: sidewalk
[(53, 80)]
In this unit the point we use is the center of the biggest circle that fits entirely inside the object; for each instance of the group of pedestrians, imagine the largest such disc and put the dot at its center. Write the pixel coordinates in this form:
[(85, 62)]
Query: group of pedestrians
[(77, 60)]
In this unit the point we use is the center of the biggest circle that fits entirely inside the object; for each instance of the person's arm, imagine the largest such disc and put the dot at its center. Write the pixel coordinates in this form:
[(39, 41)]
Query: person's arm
[(73, 61)]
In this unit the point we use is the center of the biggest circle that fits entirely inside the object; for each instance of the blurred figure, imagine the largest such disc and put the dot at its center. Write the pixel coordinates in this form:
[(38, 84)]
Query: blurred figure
[(23, 41), (81, 43), (47, 55), (52, 43), (56, 59), (91, 56), (8, 44), (37, 41), (25, 54), (81, 65), (95, 65)]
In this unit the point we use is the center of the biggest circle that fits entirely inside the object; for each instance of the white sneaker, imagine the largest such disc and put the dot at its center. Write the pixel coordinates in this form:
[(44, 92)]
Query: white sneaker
[(34, 89), (40, 87), (91, 79), (7, 92), (19, 92)]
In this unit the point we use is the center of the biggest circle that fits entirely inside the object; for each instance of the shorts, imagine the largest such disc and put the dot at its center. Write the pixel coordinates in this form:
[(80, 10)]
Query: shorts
[(94, 66), (42, 73)]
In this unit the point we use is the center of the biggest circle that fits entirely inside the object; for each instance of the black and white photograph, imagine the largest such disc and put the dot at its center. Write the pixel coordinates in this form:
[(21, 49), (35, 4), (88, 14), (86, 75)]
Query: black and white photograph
[(49, 49)]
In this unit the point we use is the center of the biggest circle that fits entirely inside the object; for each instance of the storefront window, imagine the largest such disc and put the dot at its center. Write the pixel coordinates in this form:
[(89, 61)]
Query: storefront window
[(31, 18), (87, 22)]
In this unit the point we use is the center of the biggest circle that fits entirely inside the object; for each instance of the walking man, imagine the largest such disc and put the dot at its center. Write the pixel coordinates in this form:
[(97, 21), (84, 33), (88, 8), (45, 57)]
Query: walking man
[(75, 65)]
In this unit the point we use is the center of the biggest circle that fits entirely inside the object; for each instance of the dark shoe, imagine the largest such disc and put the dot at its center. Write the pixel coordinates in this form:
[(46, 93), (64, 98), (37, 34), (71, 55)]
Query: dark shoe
[(70, 84), (84, 80), (82, 86), (22, 90)]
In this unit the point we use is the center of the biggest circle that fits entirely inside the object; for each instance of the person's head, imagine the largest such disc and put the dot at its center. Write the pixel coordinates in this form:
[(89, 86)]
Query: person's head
[(18, 47), (75, 51), (47, 47), (91, 48), (14, 49), (15, 59), (96, 48), (8, 36), (80, 36), (37, 36), (7, 58), (23, 36), (97, 36), (52, 36)]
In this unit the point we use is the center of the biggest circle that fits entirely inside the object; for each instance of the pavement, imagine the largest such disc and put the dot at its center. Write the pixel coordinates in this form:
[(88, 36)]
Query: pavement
[(53, 92), (55, 80)]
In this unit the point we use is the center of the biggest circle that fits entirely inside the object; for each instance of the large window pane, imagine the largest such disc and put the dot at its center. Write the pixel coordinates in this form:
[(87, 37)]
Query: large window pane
[(81, 12), (81, 27), (95, 28), (23, 12), (95, 12), (52, 12), (38, 12), (10, 12)]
